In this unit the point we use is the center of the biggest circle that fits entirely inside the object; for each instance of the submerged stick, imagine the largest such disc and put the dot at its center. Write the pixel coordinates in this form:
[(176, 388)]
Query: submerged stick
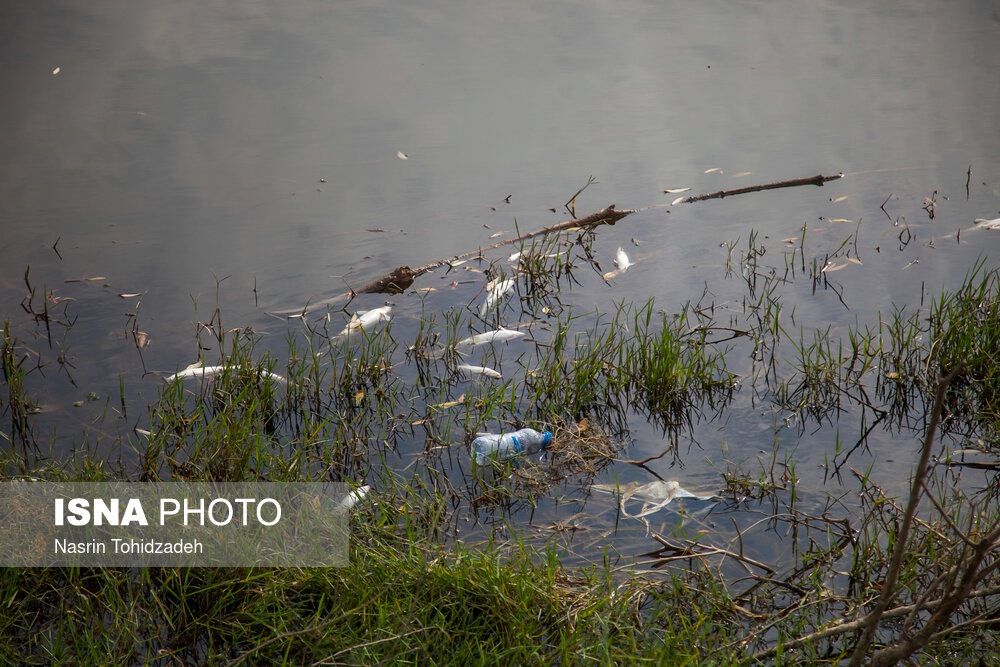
[(819, 180), (402, 277), (606, 216)]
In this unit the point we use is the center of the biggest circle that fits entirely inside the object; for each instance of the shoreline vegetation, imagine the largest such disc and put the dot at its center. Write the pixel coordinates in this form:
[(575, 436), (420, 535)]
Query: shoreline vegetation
[(760, 569)]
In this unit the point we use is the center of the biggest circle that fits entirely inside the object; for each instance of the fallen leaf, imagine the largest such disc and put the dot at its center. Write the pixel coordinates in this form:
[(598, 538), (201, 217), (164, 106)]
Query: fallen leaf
[(97, 278), (493, 236), (840, 199), (375, 230), (742, 174), (712, 170), (839, 220), (830, 268), (359, 396), (855, 261)]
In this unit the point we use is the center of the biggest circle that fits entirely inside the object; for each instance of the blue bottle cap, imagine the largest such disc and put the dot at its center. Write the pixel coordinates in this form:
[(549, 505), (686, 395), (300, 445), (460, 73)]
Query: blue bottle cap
[(546, 438)]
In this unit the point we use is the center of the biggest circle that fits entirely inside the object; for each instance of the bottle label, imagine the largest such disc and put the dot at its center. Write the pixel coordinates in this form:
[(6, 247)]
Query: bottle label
[(517, 444)]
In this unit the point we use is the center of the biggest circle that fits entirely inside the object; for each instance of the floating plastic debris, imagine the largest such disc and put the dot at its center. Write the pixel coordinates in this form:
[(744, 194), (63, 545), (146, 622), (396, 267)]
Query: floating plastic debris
[(654, 495)]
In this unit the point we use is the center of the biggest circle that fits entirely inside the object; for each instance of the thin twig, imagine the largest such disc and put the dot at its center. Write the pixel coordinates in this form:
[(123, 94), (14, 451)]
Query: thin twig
[(851, 626), (916, 491)]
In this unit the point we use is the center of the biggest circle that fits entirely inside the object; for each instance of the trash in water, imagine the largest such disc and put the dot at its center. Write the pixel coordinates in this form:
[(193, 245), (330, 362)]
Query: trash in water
[(654, 495), (506, 445)]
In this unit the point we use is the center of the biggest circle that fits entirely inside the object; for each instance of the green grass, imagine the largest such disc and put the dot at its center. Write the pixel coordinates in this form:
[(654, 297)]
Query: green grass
[(438, 575)]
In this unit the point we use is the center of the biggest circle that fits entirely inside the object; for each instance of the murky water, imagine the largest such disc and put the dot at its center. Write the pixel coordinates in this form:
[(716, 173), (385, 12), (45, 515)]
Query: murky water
[(240, 155)]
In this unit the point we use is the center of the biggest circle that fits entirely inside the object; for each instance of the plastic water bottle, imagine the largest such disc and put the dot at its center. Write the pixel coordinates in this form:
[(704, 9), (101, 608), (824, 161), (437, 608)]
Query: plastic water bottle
[(506, 445)]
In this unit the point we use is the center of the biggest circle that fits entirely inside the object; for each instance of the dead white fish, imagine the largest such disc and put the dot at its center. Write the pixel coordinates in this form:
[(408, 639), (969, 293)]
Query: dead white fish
[(515, 257), (366, 320), (654, 495), (199, 371), (500, 335), (470, 370), (983, 223), (675, 191), (622, 261), (355, 496), (402, 156), (501, 290)]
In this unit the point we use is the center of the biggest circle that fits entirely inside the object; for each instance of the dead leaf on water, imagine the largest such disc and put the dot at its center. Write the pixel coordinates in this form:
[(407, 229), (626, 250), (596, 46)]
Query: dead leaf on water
[(375, 230), (839, 199), (425, 290), (791, 239), (493, 236), (742, 174), (855, 261), (831, 267), (451, 404), (675, 191), (839, 220), (359, 396), (713, 170)]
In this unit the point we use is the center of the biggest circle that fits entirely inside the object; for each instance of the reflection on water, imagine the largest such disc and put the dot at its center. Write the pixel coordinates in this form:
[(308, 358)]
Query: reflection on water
[(243, 156)]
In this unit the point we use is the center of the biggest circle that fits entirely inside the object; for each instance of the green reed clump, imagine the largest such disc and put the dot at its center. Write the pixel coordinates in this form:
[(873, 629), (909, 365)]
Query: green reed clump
[(16, 405), (965, 329), (673, 369)]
